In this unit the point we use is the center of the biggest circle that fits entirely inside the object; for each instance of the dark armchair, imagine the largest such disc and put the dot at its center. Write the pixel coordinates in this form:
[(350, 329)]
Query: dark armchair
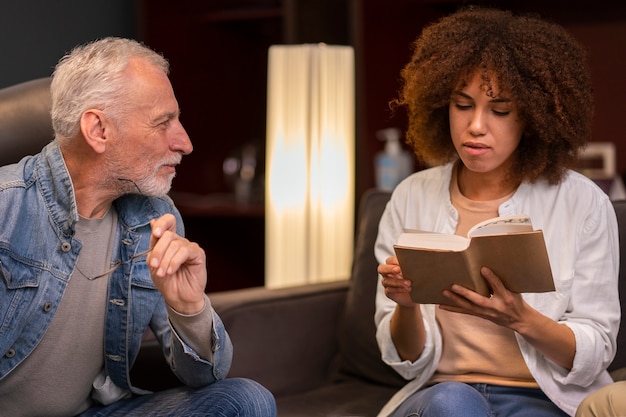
[(25, 125)]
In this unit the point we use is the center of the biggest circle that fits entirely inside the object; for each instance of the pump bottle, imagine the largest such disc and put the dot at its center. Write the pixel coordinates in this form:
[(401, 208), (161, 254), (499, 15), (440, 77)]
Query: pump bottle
[(393, 164)]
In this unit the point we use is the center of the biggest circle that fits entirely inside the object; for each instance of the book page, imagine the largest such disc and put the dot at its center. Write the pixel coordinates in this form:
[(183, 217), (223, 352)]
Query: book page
[(502, 225), (432, 240)]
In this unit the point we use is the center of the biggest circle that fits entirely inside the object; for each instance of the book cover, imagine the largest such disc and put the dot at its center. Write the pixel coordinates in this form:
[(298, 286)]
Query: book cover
[(509, 246)]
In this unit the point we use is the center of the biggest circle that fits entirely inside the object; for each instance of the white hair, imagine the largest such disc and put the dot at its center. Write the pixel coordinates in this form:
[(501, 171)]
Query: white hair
[(90, 76)]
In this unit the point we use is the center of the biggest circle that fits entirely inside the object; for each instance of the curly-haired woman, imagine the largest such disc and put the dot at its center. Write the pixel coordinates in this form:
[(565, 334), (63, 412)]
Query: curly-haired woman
[(499, 105)]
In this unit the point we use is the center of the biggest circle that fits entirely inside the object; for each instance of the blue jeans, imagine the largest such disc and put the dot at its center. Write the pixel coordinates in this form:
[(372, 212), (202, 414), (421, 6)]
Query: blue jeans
[(230, 397), (456, 399)]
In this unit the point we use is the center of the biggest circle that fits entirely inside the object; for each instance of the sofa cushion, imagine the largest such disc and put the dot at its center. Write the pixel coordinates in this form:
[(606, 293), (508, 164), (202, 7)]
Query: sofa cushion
[(283, 338), (359, 355), (348, 398)]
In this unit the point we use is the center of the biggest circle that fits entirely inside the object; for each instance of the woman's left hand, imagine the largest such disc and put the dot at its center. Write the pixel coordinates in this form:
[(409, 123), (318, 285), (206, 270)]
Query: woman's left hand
[(502, 307), (508, 309)]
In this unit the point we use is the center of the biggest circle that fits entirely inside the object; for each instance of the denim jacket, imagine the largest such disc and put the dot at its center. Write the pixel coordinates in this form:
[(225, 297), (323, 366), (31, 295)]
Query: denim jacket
[(38, 253)]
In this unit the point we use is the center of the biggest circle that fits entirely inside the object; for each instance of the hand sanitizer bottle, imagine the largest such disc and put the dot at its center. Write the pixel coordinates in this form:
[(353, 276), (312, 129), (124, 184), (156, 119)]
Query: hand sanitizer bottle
[(394, 163)]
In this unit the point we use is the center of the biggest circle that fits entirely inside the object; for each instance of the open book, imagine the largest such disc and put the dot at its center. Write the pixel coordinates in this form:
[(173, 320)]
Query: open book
[(507, 245)]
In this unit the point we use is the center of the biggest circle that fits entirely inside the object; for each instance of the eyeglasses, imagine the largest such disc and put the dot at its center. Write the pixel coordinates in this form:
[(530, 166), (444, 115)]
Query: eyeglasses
[(117, 264)]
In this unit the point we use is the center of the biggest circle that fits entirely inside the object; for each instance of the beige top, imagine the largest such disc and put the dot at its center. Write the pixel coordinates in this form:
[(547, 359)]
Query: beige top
[(474, 349)]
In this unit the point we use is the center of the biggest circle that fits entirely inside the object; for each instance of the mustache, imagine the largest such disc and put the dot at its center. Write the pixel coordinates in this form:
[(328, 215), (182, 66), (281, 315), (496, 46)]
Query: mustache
[(174, 161)]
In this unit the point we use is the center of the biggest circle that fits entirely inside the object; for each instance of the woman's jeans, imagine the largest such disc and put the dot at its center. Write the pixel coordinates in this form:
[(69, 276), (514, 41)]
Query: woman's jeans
[(231, 397), (457, 399)]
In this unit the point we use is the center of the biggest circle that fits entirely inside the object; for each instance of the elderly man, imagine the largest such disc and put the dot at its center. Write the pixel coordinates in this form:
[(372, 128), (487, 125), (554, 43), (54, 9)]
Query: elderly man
[(92, 253)]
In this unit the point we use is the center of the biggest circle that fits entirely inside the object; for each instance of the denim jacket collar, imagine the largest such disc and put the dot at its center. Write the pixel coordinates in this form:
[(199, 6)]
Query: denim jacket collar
[(57, 189)]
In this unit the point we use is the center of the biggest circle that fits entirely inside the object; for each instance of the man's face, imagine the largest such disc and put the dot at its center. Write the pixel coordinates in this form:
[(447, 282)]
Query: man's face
[(150, 141)]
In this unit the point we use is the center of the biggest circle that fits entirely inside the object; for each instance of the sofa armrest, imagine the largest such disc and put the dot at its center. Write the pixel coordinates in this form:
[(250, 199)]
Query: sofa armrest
[(286, 339)]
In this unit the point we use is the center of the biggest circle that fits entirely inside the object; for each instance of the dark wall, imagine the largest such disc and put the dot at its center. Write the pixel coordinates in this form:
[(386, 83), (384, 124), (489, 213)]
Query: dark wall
[(34, 34)]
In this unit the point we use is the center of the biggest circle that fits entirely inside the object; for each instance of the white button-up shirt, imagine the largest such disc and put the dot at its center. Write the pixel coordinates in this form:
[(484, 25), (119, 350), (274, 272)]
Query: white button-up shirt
[(580, 230)]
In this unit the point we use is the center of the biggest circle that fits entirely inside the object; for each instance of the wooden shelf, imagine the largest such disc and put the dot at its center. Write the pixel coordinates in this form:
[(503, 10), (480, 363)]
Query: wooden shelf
[(228, 232), (215, 205)]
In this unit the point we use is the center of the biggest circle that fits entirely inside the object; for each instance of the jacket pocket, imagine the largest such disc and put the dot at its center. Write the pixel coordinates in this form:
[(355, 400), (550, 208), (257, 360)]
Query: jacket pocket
[(19, 272)]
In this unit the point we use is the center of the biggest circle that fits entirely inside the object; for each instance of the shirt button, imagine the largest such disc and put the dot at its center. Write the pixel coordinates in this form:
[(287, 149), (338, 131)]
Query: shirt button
[(47, 306), (10, 353), (66, 247)]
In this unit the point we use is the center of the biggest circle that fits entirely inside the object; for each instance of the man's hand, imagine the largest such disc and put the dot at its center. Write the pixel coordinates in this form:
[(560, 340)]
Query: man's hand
[(177, 267)]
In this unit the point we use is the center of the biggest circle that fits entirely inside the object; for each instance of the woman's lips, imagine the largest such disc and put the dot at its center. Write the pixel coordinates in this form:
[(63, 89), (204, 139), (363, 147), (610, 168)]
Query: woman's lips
[(475, 149)]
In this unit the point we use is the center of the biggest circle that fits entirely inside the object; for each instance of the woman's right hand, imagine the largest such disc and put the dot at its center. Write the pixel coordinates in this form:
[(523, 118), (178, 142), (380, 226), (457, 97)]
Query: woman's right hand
[(397, 288), (406, 325)]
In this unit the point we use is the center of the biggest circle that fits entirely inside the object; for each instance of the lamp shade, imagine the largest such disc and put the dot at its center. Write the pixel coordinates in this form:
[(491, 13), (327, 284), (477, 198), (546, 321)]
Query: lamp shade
[(309, 204)]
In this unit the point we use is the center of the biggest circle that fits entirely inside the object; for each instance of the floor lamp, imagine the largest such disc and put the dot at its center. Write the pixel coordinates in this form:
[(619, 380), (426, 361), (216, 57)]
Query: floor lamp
[(309, 204)]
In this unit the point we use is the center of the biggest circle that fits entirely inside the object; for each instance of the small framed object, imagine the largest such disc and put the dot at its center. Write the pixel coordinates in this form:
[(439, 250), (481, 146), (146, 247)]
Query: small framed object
[(597, 160)]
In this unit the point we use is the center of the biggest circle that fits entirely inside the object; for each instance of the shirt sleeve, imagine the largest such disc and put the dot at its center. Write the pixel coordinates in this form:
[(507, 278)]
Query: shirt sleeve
[(195, 330)]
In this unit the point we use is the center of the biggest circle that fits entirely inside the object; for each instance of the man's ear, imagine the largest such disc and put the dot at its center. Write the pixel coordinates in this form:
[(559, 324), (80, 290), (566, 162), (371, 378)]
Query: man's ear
[(93, 126)]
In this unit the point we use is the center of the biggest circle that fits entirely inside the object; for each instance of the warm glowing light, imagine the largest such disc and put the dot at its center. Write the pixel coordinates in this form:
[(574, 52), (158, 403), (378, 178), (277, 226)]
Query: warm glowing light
[(309, 214)]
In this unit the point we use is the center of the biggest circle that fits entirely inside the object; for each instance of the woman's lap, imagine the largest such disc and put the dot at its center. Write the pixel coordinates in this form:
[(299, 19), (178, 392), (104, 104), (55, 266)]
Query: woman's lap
[(452, 399)]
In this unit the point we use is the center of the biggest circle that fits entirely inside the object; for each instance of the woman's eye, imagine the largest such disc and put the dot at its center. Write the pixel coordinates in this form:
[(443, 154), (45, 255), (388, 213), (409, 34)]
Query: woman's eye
[(463, 106), (501, 112)]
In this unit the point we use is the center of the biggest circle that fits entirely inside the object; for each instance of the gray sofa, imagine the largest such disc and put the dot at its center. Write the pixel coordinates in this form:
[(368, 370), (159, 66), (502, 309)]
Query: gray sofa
[(312, 346)]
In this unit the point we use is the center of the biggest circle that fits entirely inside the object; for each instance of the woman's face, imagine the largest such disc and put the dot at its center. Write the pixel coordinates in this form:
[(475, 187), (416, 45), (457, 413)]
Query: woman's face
[(485, 126)]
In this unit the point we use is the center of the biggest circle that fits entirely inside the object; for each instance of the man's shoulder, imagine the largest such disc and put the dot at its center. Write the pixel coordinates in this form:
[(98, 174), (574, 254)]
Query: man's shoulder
[(18, 176)]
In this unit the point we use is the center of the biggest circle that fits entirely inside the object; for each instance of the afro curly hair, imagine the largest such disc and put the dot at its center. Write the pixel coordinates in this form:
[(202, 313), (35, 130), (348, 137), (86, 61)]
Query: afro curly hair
[(537, 62)]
